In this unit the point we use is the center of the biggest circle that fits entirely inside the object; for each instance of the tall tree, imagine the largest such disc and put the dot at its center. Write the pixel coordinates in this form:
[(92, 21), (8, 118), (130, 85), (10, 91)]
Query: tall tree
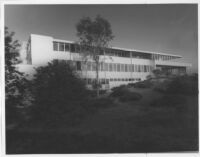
[(14, 80), (94, 37)]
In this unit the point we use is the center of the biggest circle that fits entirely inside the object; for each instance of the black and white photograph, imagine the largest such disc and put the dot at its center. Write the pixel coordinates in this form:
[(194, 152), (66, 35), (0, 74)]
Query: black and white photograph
[(100, 78)]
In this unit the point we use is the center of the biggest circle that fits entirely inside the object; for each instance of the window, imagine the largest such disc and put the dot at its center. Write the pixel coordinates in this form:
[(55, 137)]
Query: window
[(133, 68), (126, 67), (110, 67), (93, 66), (101, 67), (61, 46), (139, 68), (130, 68), (122, 67), (114, 67), (89, 66), (89, 81), (118, 67), (55, 46), (106, 66), (78, 65), (77, 48), (102, 81), (66, 47), (111, 79), (72, 48)]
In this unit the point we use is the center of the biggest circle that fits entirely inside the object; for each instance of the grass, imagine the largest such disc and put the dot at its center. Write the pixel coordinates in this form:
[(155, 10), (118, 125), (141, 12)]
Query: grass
[(123, 127)]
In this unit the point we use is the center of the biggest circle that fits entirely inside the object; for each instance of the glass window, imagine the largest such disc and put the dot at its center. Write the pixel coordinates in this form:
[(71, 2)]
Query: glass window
[(114, 67), (130, 68), (106, 66), (78, 65), (110, 67), (55, 46), (118, 67), (133, 68), (101, 66), (89, 81), (122, 67), (77, 48), (66, 47), (72, 48), (93, 66), (139, 68), (145, 68), (126, 67), (89, 66), (61, 46)]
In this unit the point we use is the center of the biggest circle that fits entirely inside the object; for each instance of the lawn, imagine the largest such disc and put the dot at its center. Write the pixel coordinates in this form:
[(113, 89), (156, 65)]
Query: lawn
[(133, 126)]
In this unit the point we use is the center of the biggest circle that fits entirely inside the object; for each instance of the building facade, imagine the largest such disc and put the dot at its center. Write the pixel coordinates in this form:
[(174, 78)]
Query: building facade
[(117, 65)]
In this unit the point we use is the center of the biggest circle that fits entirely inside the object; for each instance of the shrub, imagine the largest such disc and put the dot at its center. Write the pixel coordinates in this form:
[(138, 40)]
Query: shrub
[(124, 94), (161, 86), (58, 93), (187, 85), (119, 91), (143, 84)]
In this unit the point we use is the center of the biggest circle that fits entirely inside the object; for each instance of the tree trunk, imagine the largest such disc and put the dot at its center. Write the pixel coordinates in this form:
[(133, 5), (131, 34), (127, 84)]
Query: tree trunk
[(97, 76)]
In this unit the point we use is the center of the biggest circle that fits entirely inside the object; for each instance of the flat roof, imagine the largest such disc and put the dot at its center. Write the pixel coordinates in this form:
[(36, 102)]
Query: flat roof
[(125, 49), (149, 52)]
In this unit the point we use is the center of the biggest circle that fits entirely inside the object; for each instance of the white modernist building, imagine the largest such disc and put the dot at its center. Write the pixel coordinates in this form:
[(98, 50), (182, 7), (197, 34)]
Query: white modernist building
[(118, 66)]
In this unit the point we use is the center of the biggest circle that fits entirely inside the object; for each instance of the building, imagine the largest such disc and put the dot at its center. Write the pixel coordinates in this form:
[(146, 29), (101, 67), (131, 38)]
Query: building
[(118, 66)]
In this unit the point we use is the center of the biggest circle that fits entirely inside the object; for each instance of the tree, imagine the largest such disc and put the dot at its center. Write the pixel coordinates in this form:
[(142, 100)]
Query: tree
[(94, 37), (15, 82), (58, 94)]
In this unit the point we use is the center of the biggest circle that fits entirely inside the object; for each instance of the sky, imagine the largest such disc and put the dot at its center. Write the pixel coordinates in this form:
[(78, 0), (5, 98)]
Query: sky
[(167, 28)]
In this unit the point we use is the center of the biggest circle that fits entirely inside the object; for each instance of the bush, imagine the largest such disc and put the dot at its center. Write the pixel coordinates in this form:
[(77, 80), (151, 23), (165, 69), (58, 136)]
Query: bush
[(161, 86), (143, 84), (187, 85), (58, 94), (124, 94)]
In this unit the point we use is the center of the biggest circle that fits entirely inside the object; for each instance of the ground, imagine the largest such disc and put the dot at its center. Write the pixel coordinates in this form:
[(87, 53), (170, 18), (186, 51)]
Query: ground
[(126, 127)]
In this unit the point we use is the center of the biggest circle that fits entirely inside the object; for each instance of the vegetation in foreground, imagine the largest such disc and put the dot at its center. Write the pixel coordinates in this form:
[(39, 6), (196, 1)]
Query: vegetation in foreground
[(64, 117), (157, 122)]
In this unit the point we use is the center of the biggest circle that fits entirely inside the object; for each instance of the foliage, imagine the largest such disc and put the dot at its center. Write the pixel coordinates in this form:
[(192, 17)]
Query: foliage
[(58, 94), (15, 82), (161, 86), (94, 37), (187, 85), (124, 94), (143, 84)]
